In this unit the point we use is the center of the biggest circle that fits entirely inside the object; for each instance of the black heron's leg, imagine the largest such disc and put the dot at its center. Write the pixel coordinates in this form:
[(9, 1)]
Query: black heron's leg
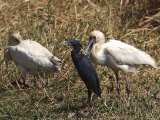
[(89, 96), (118, 83), (127, 86)]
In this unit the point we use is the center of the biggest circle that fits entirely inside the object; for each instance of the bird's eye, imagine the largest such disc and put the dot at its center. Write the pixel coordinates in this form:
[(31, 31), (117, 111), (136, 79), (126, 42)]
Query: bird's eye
[(94, 37)]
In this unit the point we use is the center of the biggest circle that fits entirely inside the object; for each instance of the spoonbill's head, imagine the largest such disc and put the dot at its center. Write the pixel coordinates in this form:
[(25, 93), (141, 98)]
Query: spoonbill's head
[(14, 39), (72, 42), (95, 37)]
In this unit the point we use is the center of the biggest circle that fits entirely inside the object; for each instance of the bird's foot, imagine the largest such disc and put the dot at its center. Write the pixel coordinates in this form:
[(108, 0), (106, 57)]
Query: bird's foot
[(20, 84), (25, 86), (35, 83)]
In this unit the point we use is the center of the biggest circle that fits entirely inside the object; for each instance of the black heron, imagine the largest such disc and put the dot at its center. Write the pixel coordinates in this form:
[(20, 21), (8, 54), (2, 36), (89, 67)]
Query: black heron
[(85, 68)]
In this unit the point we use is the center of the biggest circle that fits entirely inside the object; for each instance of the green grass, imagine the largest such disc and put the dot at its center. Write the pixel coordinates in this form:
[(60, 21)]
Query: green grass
[(50, 23)]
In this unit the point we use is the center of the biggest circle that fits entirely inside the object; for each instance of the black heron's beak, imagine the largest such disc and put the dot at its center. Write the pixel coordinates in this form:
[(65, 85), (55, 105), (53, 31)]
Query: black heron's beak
[(89, 46)]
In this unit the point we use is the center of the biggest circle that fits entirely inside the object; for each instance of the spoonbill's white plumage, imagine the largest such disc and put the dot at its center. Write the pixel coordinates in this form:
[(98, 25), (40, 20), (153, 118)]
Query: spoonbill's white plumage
[(30, 56), (117, 55)]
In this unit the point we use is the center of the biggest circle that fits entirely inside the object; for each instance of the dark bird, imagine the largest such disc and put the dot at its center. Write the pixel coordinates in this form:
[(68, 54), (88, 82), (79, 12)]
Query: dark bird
[(85, 68)]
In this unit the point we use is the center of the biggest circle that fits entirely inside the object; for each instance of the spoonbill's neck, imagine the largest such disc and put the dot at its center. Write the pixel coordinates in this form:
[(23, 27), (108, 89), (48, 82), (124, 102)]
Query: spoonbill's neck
[(97, 53), (96, 48), (98, 45)]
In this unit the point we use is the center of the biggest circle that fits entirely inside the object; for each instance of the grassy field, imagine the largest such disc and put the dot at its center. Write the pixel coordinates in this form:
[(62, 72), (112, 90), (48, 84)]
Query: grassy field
[(49, 22)]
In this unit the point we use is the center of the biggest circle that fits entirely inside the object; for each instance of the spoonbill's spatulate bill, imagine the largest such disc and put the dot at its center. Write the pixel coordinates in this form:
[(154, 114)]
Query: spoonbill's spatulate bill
[(30, 56), (85, 69), (117, 55)]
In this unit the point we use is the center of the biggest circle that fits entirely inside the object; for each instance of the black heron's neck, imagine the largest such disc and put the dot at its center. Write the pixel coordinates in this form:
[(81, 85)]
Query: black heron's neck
[(76, 49)]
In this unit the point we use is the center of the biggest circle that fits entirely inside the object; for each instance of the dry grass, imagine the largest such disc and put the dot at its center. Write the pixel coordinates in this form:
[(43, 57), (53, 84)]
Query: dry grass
[(51, 22)]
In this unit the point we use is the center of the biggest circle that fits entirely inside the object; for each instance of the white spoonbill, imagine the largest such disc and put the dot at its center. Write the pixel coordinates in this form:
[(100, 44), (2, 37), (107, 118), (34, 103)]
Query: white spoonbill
[(117, 55), (30, 56)]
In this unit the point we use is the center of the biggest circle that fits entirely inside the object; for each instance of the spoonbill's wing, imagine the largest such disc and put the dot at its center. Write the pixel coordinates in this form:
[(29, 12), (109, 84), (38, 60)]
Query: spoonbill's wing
[(127, 54), (31, 54)]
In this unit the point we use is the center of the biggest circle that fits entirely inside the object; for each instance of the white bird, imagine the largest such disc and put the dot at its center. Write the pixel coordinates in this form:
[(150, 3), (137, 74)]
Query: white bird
[(30, 56), (117, 55)]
